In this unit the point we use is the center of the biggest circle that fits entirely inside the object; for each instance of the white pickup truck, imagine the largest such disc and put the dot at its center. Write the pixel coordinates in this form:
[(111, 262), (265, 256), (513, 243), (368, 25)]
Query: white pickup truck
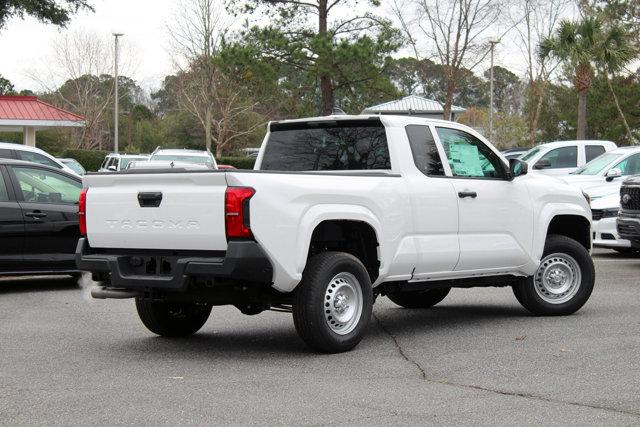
[(339, 210)]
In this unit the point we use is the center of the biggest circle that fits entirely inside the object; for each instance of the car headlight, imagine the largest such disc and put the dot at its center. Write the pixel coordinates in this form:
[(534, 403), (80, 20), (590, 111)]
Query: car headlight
[(586, 196)]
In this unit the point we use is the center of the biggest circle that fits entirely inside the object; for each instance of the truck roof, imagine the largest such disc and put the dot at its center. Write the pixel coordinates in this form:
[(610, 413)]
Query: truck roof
[(388, 119)]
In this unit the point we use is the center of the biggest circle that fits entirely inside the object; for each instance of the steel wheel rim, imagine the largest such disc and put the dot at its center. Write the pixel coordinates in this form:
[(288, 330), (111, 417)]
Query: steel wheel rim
[(558, 278), (343, 303)]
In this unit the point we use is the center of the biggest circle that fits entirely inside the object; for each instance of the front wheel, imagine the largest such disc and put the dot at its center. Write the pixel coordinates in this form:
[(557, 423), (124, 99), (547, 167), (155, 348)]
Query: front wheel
[(332, 304), (172, 319), (563, 282)]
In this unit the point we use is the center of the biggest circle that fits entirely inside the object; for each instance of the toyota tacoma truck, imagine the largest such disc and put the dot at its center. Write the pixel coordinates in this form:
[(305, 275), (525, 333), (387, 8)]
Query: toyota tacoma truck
[(339, 210), (628, 222)]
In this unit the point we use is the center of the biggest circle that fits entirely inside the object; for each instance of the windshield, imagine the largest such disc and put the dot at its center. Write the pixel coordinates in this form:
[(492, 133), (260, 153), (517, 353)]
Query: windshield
[(530, 154), (199, 160), (596, 165), (75, 166)]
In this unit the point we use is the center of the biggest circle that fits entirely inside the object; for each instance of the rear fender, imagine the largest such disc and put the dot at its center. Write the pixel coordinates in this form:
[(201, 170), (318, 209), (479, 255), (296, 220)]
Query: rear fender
[(319, 213)]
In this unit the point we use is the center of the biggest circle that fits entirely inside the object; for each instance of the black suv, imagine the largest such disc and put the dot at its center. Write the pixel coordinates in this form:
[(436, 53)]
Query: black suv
[(629, 218)]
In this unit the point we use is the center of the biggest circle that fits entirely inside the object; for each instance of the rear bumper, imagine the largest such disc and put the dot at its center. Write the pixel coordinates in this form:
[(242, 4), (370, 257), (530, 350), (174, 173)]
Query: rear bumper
[(243, 261), (629, 228)]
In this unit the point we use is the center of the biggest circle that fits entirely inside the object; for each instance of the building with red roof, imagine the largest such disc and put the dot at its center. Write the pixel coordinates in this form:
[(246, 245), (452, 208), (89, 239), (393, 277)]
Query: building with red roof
[(27, 114)]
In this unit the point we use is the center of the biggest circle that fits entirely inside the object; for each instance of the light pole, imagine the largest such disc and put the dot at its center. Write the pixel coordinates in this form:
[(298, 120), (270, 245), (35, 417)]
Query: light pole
[(115, 104), (492, 44)]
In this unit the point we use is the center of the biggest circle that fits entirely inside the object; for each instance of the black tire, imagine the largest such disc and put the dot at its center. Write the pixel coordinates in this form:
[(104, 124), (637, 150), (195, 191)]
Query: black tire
[(419, 299), (172, 319), (309, 310), (529, 297)]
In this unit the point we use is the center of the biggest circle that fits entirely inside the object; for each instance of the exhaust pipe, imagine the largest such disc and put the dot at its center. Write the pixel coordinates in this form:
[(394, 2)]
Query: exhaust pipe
[(101, 292)]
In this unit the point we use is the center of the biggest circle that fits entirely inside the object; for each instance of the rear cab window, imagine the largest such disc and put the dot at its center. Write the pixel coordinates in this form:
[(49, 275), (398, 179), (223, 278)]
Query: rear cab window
[(335, 145)]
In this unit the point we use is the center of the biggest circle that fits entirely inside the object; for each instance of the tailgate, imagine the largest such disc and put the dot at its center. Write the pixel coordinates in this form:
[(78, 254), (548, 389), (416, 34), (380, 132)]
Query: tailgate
[(180, 211)]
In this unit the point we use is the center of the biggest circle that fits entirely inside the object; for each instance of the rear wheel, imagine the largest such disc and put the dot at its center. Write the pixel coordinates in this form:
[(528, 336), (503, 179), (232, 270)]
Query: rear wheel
[(563, 282), (333, 302), (172, 319), (419, 299)]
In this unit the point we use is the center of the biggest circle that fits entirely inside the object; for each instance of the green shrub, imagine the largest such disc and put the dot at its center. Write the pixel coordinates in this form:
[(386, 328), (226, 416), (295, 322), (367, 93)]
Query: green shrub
[(89, 159), (238, 162)]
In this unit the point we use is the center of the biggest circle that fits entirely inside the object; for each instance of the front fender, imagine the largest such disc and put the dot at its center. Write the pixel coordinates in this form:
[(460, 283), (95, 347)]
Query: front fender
[(548, 212)]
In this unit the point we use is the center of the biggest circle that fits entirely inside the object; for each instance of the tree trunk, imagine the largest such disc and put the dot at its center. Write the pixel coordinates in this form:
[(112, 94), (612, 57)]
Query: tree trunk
[(326, 86), (624, 119), (222, 139), (448, 102), (537, 90), (582, 114), (208, 119)]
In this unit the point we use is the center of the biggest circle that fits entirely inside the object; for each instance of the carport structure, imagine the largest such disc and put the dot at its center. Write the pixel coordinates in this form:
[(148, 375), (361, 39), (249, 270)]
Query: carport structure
[(27, 114)]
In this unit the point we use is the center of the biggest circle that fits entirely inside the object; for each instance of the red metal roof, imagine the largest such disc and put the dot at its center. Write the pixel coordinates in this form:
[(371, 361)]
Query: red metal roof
[(31, 108)]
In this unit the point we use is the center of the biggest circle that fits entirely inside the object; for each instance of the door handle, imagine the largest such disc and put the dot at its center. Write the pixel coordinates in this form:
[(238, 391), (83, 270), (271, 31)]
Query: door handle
[(463, 194), (35, 214)]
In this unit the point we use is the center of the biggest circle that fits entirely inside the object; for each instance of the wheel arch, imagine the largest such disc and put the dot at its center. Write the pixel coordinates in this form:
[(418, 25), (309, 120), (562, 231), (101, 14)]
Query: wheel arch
[(331, 228), (574, 226)]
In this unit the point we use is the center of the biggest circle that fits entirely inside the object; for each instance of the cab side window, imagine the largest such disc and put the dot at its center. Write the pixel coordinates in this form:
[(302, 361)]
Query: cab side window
[(4, 195), (630, 165), (43, 186), (5, 154), (425, 152), (565, 157), (28, 156), (468, 156), (593, 151)]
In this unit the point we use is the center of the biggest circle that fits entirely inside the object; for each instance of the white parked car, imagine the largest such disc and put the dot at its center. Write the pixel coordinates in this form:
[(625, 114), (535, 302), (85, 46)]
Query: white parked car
[(564, 157), (184, 156), (338, 210), (32, 154), (605, 206), (116, 162), (607, 169)]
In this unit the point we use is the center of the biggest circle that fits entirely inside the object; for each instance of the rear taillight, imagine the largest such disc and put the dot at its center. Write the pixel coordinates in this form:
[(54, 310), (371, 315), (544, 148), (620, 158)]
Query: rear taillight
[(82, 211), (236, 212)]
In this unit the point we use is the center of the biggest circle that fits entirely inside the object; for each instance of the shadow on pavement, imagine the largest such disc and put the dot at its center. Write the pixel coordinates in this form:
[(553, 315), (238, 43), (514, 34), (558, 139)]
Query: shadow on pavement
[(282, 340), (17, 284), (616, 255)]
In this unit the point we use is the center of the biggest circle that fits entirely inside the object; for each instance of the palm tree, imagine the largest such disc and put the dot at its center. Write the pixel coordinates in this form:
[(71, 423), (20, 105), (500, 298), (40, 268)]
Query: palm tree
[(615, 52), (585, 46), (576, 45)]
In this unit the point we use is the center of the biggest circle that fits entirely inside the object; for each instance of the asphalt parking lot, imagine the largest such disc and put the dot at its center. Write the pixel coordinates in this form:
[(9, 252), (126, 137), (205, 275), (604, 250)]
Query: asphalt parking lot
[(477, 358)]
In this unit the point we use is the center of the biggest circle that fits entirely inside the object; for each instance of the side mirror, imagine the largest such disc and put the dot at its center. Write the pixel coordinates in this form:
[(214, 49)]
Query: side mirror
[(112, 168), (517, 168), (613, 173), (542, 164)]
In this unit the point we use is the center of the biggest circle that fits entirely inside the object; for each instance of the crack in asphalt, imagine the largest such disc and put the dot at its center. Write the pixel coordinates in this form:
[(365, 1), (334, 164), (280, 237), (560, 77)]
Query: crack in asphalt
[(424, 377), (423, 374)]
